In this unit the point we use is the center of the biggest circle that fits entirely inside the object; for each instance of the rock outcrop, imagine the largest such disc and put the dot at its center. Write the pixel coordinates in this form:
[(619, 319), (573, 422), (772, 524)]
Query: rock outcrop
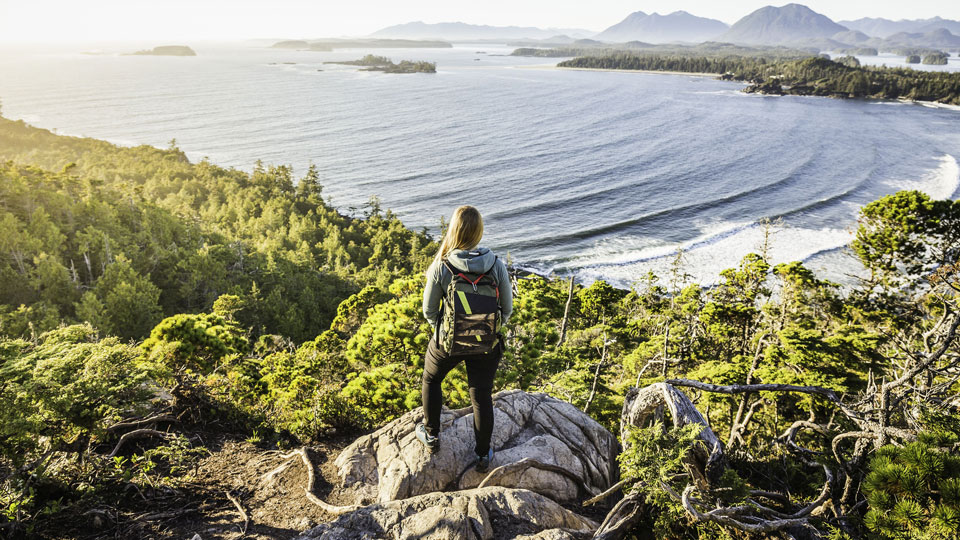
[(474, 514), (542, 444)]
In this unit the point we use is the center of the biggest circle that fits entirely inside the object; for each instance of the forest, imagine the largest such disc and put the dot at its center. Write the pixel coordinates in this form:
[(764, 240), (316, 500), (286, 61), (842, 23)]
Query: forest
[(709, 49), (382, 63), (814, 76), (139, 290)]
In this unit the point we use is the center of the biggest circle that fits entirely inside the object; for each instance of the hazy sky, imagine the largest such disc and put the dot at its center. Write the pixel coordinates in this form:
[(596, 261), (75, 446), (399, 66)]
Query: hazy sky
[(106, 20)]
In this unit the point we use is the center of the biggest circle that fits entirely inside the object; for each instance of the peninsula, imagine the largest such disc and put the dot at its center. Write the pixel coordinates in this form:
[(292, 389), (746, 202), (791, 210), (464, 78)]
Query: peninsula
[(812, 76)]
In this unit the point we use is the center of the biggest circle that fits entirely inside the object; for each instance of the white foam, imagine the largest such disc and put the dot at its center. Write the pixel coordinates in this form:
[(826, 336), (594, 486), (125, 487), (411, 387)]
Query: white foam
[(941, 182), (935, 105), (721, 245)]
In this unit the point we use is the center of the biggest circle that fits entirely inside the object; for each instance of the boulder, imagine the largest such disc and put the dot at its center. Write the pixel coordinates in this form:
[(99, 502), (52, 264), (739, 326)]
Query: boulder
[(541, 444), (474, 514)]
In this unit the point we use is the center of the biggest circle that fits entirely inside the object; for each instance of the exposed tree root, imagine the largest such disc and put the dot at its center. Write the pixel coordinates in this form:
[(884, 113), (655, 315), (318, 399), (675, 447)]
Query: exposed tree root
[(289, 459), (529, 463), (136, 434), (243, 513)]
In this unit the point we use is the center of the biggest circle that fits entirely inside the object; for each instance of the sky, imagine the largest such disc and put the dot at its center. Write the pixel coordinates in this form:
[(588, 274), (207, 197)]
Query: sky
[(33, 21)]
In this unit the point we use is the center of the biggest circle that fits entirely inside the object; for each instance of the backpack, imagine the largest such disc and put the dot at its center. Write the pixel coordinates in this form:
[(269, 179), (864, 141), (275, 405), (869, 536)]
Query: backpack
[(470, 313)]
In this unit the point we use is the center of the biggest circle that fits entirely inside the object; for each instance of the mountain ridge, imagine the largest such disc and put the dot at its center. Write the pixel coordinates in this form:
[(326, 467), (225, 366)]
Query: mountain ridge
[(884, 28), (655, 28), (457, 30), (791, 23)]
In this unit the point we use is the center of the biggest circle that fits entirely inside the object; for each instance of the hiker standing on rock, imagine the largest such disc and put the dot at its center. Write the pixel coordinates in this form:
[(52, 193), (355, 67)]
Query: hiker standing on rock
[(467, 299)]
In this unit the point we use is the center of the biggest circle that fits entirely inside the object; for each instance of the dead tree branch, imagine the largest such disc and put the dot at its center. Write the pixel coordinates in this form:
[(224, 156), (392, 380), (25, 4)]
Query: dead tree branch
[(136, 434)]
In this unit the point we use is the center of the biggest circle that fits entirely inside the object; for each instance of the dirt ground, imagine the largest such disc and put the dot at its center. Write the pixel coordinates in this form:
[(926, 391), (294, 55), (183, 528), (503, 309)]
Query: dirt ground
[(268, 487), (276, 508)]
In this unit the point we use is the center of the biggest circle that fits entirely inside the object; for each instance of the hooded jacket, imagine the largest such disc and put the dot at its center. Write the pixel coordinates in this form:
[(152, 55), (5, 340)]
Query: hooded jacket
[(475, 261)]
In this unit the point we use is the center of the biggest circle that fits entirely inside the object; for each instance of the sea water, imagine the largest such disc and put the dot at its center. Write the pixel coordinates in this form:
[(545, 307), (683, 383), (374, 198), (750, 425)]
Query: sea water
[(600, 174)]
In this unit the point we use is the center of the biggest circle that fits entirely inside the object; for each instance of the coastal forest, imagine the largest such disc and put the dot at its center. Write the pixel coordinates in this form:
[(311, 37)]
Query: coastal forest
[(811, 76), (152, 308)]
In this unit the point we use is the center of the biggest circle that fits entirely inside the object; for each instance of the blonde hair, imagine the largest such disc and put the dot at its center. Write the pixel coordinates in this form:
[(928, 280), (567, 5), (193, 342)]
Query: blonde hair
[(464, 232)]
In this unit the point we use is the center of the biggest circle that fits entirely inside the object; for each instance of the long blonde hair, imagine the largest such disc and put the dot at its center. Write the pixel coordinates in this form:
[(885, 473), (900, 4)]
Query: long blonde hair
[(464, 232)]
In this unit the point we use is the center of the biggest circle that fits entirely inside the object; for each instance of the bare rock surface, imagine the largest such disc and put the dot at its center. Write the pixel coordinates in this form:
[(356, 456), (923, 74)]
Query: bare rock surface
[(541, 444), (474, 514)]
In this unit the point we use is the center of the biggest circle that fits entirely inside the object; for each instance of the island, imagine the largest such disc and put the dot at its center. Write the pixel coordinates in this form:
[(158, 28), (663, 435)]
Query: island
[(811, 76), (291, 44), (935, 59), (382, 63), (849, 61), (167, 50), (860, 51), (913, 59)]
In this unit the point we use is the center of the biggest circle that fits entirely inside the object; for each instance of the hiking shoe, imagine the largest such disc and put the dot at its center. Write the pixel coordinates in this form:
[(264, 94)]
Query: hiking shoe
[(432, 443), (483, 462)]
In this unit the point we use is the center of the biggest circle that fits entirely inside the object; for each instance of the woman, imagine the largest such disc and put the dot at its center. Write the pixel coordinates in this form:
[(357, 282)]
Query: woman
[(459, 257)]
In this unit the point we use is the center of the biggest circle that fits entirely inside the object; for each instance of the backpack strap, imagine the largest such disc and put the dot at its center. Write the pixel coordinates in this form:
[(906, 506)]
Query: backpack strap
[(474, 282)]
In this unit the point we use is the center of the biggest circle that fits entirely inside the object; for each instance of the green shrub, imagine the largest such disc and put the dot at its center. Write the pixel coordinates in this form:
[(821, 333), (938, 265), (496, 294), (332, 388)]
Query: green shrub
[(913, 492), (196, 342), (65, 389)]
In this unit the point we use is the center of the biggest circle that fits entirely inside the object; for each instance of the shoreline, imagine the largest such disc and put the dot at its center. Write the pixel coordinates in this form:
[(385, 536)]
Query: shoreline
[(650, 71)]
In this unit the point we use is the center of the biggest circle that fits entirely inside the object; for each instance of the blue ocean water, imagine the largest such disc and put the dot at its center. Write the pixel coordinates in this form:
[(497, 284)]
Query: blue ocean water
[(601, 174)]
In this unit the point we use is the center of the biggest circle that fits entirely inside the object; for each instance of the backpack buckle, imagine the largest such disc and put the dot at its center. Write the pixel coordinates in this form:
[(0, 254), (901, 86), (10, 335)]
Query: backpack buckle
[(474, 287)]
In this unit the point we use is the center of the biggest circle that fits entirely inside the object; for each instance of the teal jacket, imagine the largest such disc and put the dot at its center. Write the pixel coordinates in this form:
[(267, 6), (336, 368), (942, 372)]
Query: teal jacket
[(476, 261)]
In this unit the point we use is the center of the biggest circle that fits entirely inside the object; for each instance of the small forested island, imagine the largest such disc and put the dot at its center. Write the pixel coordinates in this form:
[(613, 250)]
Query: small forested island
[(291, 44), (860, 51), (813, 76), (381, 63), (182, 345), (167, 50), (916, 51), (912, 59), (849, 61), (935, 59)]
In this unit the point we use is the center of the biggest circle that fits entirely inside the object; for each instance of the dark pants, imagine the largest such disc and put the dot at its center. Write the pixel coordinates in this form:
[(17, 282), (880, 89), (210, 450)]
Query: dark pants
[(480, 372)]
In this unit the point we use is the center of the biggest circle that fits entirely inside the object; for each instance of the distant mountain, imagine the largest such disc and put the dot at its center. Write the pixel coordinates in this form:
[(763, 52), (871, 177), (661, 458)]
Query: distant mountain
[(851, 37), (884, 28), (552, 41), (656, 28), (458, 31), (940, 38), (792, 23)]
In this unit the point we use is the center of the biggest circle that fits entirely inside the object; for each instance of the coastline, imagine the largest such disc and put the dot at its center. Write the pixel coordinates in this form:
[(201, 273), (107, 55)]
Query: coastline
[(650, 71)]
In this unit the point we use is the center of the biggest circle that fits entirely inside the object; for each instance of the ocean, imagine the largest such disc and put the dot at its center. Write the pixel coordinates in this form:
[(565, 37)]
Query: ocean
[(603, 175)]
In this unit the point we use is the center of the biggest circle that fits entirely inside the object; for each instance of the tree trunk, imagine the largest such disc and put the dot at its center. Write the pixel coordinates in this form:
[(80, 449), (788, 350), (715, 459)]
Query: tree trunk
[(705, 463), (566, 313)]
